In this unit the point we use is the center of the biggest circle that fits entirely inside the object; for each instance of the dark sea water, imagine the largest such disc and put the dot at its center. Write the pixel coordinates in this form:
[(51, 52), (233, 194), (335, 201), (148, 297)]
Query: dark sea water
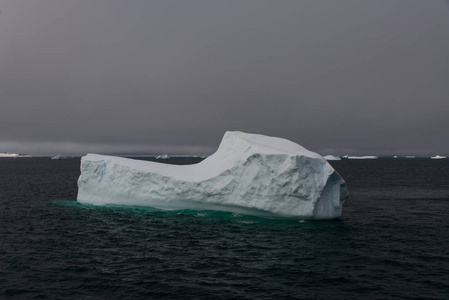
[(392, 241)]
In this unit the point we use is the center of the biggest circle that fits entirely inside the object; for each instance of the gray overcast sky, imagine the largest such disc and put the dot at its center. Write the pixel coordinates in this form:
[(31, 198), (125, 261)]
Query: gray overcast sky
[(340, 77)]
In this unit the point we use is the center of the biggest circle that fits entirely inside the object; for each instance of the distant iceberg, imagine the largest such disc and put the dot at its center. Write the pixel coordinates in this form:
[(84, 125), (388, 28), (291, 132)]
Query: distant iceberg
[(249, 173), (438, 157), (163, 156), (59, 156), (331, 157), (13, 155), (7, 154), (362, 157)]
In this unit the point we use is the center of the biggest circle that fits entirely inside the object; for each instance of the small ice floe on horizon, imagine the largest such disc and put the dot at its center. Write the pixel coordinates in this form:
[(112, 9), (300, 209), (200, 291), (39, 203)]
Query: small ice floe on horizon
[(249, 174), (163, 156), (58, 157), (410, 156), (438, 157), (331, 157)]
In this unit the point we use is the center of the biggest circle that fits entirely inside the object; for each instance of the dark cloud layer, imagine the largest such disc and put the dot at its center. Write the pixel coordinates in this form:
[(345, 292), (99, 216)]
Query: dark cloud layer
[(356, 77)]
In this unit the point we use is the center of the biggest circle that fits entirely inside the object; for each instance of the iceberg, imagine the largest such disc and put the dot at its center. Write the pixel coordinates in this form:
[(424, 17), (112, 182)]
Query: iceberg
[(59, 157), (331, 157), (362, 157), (249, 174), (13, 155), (7, 154)]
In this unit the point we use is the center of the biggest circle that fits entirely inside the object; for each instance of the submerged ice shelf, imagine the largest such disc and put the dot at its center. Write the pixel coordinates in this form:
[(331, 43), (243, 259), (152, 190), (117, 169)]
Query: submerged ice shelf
[(249, 173)]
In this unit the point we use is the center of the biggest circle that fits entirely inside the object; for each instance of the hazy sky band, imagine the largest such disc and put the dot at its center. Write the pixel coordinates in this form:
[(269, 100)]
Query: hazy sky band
[(341, 77)]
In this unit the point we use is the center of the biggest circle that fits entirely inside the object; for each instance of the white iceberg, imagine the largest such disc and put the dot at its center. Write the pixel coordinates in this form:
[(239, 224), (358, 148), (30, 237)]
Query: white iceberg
[(362, 157), (59, 157), (249, 173), (7, 154), (438, 157), (331, 157), (13, 155)]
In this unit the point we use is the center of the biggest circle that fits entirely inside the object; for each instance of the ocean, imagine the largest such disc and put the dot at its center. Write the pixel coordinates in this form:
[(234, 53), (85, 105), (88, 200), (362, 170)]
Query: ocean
[(391, 242)]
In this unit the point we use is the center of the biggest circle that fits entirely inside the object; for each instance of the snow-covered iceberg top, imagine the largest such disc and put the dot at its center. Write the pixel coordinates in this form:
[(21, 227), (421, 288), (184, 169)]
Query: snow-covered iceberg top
[(249, 173)]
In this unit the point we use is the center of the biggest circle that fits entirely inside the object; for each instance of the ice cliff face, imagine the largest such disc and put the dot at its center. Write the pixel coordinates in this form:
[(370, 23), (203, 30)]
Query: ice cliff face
[(249, 173)]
